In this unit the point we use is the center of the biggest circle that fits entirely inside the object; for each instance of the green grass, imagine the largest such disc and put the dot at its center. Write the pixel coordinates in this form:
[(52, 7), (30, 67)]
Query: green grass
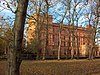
[(54, 67)]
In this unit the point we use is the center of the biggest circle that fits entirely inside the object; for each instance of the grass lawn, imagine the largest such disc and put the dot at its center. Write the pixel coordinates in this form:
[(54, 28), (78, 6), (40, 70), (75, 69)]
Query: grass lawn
[(55, 67)]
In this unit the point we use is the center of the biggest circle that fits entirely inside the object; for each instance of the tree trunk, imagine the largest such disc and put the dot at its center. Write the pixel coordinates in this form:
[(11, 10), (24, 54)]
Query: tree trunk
[(13, 63), (69, 43), (77, 41), (37, 32), (59, 35), (46, 44), (72, 50), (95, 29), (59, 46), (77, 46), (44, 53), (14, 56), (47, 25)]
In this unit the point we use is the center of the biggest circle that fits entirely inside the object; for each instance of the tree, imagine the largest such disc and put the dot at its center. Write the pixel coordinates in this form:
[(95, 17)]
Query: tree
[(14, 55), (72, 16), (95, 28), (1, 46), (47, 25), (78, 8), (41, 23), (5, 36)]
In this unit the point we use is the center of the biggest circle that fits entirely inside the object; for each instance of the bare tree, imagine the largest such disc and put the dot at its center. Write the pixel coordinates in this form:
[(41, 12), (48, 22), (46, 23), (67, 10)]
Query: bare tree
[(95, 29), (14, 55)]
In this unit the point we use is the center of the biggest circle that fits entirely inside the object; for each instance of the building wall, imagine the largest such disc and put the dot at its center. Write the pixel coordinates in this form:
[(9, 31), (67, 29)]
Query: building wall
[(84, 41), (84, 35)]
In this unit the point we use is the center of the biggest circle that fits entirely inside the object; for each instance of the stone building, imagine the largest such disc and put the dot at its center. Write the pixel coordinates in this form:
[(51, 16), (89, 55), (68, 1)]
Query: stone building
[(82, 37)]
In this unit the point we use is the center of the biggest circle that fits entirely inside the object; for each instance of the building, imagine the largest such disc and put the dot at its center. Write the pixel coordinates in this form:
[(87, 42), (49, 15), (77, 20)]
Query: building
[(82, 37)]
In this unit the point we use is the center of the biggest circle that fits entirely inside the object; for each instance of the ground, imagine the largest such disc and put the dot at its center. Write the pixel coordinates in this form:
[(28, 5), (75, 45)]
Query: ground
[(55, 67)]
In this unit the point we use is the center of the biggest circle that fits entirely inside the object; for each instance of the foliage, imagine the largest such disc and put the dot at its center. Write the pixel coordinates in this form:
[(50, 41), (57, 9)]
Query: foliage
[(32, 47), (1, 47), (5, 39)]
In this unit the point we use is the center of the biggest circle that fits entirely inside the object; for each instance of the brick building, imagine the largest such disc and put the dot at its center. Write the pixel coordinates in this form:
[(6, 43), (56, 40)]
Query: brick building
[(82, 37)]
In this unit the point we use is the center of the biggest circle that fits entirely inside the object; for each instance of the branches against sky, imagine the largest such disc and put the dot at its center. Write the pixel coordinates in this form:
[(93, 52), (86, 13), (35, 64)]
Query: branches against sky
[(57, 8)]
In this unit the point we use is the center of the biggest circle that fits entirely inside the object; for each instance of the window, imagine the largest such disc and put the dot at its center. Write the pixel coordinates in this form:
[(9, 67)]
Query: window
[(54, 53), (64, 51), (64, 38), (83, 43), (53, 37), (64, 43), (53, 30)]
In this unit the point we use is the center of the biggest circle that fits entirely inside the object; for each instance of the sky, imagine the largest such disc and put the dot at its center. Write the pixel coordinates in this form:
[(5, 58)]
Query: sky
[(60, 8), (4, 11)]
